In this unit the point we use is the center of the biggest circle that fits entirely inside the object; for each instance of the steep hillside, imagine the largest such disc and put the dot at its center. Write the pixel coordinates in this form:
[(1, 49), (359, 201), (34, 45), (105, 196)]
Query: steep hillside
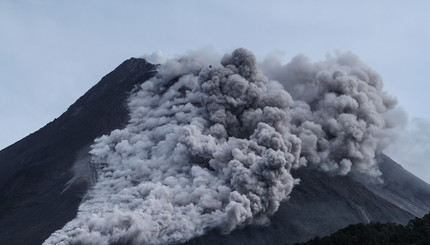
[(35, 170)]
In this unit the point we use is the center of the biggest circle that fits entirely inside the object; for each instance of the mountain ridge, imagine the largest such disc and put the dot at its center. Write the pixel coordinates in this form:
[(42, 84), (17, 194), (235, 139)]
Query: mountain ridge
[(35, 170)]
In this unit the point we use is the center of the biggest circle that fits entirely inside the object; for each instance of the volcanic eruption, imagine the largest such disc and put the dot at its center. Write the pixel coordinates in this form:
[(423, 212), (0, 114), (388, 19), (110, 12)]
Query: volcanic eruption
[(212, 147)]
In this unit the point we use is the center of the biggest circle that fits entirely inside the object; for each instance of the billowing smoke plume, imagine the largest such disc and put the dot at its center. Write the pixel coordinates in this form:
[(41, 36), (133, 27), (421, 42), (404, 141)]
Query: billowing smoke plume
[(205, 148), (211, 146), (339, 111)]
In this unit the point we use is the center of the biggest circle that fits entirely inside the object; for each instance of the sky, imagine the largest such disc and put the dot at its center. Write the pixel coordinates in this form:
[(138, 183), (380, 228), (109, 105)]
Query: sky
[(53, 51)]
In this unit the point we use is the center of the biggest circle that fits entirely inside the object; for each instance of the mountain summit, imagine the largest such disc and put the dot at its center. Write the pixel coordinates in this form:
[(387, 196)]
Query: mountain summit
[(36, 195), (46, 176)]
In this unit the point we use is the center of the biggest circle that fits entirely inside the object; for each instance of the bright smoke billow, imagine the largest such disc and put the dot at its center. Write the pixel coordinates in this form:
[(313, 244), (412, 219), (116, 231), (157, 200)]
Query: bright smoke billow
[(211, 146)]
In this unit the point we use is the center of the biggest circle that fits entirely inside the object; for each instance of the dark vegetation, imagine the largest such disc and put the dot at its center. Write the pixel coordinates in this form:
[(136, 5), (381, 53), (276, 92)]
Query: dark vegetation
[(416, 232)]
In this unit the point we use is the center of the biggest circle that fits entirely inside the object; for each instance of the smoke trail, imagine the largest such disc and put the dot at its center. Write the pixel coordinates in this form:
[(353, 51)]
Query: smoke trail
[(211, 146)]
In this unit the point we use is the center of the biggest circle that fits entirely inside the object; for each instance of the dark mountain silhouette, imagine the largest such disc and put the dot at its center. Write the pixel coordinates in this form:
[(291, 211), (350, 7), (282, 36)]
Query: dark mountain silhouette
[(35, 170), (44, 177)]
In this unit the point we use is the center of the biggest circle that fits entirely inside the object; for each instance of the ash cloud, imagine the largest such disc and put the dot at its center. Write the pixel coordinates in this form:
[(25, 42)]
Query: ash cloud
[(210, 146), (340, 111), (205, 148)]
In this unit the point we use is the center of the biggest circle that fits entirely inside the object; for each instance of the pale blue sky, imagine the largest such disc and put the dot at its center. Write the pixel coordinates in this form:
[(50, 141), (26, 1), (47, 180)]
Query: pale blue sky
[(52, 51)]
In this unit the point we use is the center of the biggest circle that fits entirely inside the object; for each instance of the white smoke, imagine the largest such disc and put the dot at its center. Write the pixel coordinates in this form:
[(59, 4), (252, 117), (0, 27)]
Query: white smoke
[(210, 146), (157, 57)]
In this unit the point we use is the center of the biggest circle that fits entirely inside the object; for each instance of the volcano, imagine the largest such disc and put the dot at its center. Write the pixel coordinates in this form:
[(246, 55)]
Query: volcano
[(46, 176)]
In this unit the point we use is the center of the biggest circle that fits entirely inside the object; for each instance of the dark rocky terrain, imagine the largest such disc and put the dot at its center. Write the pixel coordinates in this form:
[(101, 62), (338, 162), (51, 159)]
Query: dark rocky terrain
[(35, 170), (44, 177)]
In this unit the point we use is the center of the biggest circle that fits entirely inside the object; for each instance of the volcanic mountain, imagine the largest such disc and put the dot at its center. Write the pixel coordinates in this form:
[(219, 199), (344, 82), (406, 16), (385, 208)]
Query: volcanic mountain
[(46, 176)]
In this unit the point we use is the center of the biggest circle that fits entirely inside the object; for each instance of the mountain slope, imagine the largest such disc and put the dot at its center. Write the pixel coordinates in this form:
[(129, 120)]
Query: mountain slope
[(35, 170), (319, 206), (401, 187), (322, 204), (44, 176)]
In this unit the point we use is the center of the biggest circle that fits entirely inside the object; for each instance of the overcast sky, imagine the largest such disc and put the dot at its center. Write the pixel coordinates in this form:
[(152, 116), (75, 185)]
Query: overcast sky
[(53, 51)]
